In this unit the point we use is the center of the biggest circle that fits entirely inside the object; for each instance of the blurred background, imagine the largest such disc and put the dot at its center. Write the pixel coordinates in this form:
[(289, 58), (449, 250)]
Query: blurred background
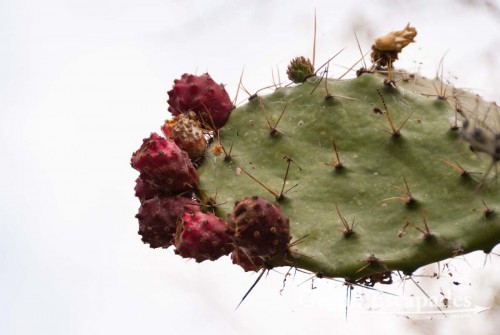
[(83, 81)]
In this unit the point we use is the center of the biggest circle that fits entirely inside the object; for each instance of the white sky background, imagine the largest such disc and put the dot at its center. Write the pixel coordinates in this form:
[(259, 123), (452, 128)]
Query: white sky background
[(82, 82)]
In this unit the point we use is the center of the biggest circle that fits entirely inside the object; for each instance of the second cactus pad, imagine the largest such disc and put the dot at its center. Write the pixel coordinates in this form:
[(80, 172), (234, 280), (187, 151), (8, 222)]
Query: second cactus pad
[(377, 178)]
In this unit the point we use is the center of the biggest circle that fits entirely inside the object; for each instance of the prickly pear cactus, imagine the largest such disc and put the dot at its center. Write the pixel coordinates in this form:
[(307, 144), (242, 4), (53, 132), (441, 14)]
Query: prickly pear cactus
[(350, 178), (401, 190)]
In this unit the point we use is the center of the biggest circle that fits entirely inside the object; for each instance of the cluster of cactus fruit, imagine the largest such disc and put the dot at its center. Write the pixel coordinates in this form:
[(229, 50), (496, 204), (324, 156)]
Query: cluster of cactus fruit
[(352, 178)]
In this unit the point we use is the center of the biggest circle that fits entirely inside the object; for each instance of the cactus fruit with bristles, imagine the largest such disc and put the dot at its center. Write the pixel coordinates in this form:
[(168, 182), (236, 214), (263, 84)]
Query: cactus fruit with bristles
[(202, 236), (164, 165), (203, 96), (158, 218), (380, 178)]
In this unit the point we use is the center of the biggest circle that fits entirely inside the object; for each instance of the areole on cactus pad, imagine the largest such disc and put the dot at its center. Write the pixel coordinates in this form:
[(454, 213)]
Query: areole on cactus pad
[(350, 178)]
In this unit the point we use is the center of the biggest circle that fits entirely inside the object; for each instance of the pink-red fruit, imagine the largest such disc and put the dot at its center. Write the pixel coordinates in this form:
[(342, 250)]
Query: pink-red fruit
[(164, 165), (144, 190), (158, 218), (202, 236), (200, 94), (259, 228)]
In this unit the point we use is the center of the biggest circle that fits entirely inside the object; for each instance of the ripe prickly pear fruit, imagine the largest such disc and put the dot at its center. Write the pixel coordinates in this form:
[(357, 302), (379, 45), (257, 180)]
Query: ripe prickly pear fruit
[(299, 69), (248, 263), (185, 131), (163, 164), (259, 228), (202, 236), (144, 190), (202, 95), (158, 218)]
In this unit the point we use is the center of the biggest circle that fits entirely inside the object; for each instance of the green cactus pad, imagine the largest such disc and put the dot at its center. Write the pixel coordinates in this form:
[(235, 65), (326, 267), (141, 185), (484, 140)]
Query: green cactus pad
[(409, 199)]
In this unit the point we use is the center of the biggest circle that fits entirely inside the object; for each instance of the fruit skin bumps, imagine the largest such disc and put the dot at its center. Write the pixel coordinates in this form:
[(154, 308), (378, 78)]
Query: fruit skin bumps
[(158, 218), (259, 228), (202, 236), (186, 132), (203, 96), (163, 164)]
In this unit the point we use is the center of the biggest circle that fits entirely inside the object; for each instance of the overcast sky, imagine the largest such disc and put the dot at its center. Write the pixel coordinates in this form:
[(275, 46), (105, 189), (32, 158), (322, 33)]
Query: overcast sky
[(83, 81)]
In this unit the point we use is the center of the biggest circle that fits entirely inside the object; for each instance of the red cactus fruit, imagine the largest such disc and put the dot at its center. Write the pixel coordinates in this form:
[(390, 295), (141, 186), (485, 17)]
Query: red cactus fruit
[(163, 164), (259, 227), (187, 134), (200, 94), (202, 236), (144, 190), (248, 263), (158, 218)]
